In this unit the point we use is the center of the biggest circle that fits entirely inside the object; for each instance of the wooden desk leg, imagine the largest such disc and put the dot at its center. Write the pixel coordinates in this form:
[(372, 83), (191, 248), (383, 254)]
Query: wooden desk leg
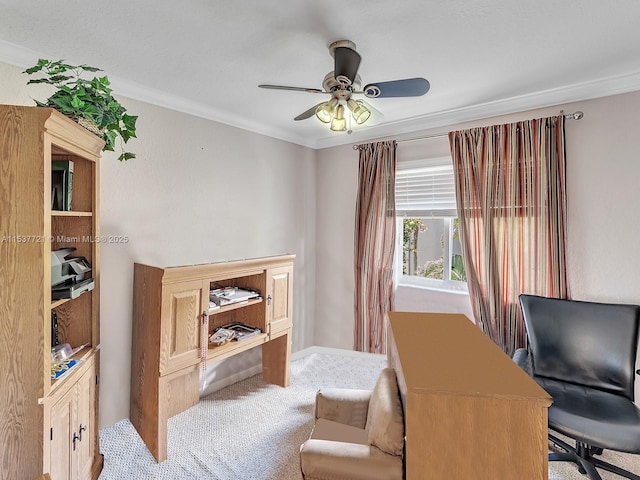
[(170, 395), (276, 355)]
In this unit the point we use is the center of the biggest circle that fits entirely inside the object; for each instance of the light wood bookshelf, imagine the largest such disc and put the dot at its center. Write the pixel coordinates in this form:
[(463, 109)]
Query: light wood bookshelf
[(41, 415)]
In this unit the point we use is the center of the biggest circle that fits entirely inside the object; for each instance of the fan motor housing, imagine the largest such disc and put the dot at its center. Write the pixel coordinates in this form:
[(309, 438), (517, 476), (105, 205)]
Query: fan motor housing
[(341, 91)]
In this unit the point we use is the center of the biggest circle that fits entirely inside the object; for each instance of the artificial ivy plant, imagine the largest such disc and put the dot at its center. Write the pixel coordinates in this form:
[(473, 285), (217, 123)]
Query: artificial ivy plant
[(79, 98)]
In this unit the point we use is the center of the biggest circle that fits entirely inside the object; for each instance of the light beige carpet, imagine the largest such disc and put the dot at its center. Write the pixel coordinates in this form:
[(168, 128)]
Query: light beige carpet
[(253, 431)]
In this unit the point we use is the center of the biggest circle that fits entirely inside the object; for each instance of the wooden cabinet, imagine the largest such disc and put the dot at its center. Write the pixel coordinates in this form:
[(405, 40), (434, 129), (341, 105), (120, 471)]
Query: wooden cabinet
[(73, 428), (33, 404), (172, 321)]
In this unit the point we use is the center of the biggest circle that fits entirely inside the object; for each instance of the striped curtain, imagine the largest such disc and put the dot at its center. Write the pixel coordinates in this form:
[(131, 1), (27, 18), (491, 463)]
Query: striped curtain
[(374, 245), (510, 188)]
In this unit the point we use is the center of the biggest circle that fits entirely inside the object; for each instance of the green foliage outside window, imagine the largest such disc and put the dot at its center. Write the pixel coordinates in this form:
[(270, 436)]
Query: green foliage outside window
[(432, 268), (411, 228)]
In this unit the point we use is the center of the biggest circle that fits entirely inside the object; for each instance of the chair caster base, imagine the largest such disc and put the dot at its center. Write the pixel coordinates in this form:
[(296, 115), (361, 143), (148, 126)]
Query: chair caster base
[(582, 457)]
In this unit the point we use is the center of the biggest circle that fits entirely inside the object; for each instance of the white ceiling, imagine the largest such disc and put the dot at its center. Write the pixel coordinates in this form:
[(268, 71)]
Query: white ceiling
[(206, 57)]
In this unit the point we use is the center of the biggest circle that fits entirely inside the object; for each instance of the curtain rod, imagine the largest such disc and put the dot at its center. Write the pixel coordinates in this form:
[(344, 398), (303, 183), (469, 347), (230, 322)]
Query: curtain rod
[(568, 116)]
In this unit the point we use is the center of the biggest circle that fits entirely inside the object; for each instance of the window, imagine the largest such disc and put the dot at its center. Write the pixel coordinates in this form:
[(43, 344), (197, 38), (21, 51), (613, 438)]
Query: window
[(428, 249)]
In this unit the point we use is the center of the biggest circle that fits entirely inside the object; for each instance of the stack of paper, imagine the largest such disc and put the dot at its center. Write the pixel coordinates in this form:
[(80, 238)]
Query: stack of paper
[(227, 296)]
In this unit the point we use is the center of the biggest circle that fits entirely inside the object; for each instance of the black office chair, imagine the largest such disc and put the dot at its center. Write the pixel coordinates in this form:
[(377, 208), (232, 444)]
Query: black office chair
[(584, 355)]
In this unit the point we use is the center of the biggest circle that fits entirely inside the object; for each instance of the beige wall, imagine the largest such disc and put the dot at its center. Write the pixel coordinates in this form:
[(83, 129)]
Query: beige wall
[(603, 168), (198, 192)]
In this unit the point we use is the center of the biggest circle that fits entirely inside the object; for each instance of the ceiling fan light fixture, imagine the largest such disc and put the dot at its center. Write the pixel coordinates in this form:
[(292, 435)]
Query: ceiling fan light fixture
[(339, 123), (326, 110), (359, 112), (344, 81)]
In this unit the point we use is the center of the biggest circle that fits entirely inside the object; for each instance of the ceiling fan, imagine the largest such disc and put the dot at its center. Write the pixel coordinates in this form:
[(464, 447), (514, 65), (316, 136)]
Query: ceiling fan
[(343, 82)]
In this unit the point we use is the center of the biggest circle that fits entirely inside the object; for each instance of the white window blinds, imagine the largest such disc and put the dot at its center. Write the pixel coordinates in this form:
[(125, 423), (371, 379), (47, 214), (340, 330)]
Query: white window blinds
[(425, 188)]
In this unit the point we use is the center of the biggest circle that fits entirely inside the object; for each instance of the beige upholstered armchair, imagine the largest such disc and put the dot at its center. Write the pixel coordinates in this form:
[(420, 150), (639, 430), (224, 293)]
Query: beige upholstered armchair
[(358, 434)]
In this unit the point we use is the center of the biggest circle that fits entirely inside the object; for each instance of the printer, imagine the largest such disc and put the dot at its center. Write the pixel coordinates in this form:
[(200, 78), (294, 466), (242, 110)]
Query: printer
[(68, 274)]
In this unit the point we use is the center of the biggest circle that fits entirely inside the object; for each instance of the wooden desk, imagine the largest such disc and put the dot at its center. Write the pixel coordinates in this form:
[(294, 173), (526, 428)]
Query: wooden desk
[(470, 411)]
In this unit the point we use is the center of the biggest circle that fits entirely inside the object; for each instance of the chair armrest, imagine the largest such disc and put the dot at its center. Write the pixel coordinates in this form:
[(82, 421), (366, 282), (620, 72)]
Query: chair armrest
[(523, 360), (342, 405), (325, 459)]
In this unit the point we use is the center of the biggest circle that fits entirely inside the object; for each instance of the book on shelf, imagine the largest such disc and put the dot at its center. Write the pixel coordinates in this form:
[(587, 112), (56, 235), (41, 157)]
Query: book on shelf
[(60, 368), (61, 184), (241, 331)]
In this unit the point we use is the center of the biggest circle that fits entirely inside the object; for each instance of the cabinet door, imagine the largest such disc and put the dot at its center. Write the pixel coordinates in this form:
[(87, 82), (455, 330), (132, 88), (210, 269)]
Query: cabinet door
[(279, 298), (61, 436), (84, 424), (182, 307), (73, 430)]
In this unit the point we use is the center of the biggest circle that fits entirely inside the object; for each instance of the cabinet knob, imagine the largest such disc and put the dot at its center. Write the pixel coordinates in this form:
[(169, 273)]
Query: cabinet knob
[(269, 299), (81, 429), (75, 437)]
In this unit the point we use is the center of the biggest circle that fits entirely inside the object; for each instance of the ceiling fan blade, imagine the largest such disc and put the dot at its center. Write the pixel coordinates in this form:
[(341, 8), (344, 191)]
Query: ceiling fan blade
[(347, 62), (308, 113), (409, 87), (295, 89)]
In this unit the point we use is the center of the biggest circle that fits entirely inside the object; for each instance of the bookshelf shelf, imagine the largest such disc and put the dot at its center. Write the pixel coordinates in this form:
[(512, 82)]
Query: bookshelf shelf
[(57, 303), (62, 213), (233, 306), (81, 357), (223, 351)]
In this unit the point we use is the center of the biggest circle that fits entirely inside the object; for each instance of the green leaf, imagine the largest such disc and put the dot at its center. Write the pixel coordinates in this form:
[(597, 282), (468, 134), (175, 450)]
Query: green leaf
[(59, 78), (126, 156), (63, 104), (76, 102), (88, 68), (111, 139), (39, 80), (37, 67), (114, 106), (129, 122), (125, 136), (110, 120)]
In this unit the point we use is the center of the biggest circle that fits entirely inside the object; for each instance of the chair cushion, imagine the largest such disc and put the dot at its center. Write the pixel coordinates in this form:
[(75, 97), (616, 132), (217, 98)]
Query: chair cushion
[(328, 460), (338, 432), (385, 421), (344, 405), (592, 416)]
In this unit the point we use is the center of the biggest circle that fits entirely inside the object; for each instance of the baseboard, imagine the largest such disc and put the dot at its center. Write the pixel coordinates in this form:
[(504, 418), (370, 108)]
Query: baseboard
[(256, 369), (333, 351), (231, 379)]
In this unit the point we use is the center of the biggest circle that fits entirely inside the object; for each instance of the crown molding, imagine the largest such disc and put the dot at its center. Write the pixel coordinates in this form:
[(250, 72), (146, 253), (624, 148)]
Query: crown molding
[(18, 56), (142, 93), (23, 57), (604, 87)]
